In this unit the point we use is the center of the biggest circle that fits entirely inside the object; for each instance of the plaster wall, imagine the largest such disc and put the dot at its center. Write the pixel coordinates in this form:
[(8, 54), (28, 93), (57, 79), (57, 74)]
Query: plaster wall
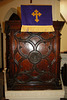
[(63, 47), (63, 7)]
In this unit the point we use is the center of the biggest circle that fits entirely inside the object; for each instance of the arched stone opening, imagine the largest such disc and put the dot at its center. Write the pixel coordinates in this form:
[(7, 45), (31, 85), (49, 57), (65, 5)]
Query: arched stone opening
[(9, 13)]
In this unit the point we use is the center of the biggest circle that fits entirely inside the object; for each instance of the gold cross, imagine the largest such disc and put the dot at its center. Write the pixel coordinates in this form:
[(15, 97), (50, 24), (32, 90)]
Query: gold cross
[(36, 13)]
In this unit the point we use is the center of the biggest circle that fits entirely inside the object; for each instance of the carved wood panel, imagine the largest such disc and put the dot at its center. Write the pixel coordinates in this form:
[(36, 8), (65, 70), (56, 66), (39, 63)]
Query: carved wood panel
[(33, 60)]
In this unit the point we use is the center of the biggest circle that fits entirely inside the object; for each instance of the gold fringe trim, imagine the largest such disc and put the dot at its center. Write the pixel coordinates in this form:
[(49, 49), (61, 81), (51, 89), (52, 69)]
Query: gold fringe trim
[(33, 28)]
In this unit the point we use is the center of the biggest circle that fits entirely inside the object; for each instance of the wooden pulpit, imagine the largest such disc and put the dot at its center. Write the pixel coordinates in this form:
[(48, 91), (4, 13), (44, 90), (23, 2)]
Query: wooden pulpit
[(33, 58)]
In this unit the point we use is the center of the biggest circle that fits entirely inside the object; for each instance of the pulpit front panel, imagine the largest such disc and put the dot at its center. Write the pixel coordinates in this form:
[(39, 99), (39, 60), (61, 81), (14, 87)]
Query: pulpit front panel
[(33, 60)]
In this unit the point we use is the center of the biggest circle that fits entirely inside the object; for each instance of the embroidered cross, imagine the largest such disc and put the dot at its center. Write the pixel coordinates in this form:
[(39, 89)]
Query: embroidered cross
[(36, 13)]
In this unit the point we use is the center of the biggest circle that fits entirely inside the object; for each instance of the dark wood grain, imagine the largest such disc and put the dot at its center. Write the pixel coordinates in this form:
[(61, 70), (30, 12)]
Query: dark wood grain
[(33, 59)]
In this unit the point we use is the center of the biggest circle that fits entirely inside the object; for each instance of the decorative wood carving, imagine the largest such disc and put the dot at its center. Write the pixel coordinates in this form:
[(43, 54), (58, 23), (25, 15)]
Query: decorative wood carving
[(33, 59)]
